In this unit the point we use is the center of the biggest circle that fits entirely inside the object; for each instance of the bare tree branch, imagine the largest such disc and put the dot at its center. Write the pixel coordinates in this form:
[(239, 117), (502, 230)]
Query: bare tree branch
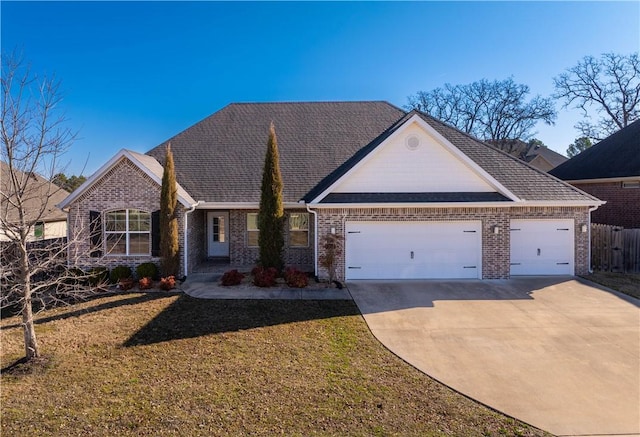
[(495, 110), (609, 86), (34, 138)]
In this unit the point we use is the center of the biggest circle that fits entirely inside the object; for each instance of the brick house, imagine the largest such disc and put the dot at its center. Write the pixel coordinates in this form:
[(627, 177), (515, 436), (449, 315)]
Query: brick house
[(412, 197), (610, 170)]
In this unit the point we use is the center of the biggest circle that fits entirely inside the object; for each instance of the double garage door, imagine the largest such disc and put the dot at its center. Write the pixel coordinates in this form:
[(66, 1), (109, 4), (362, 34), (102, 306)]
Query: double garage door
[(453, 250), (413, 250)]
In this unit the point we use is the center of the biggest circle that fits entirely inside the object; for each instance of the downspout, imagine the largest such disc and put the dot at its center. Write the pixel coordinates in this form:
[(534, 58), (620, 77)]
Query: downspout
[(589, 236), (186, 240), (315, 239)]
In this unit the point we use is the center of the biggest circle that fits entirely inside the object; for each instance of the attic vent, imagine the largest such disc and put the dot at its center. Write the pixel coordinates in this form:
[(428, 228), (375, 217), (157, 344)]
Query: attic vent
[(412, 142)]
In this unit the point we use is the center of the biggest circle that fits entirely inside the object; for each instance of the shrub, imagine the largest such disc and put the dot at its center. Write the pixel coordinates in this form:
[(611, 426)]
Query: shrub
[(147, 270), (295, 278), (168, 283), (98, 276), (119, 272), (126, 283), (232, 277), (264, 277), (145, 283)]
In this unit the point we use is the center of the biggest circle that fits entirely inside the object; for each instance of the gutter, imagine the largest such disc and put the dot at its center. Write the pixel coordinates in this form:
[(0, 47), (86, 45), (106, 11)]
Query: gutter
[(186, 240)]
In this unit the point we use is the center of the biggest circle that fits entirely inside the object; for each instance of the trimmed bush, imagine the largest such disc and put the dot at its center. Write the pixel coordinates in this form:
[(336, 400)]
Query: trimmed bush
[(98, 275), (145, 283), (168, 283), (126, 283), (295, 278), (147, 270), (119, 272), (232, 277), (264, 277)]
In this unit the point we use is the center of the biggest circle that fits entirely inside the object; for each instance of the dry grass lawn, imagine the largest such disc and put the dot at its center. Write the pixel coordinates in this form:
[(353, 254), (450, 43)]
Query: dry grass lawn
[(627, 283), (160, 364)]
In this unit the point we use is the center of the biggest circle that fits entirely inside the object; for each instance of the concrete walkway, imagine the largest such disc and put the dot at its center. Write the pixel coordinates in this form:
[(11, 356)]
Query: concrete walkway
[(205, 286), (558, 353)]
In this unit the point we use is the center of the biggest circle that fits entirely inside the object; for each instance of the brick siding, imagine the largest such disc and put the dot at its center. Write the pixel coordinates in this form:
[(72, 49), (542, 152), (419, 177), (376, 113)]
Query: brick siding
[(242, 255), (622, 207), (495, 247), (124, 186)]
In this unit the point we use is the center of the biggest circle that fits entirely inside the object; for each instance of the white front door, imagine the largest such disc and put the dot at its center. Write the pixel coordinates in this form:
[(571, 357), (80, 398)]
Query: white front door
[(218, 233), (542, 247), (413, 250)]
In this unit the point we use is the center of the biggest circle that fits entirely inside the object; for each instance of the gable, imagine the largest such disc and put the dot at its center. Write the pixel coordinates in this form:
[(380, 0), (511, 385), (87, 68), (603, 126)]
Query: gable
[(145, 165), (412, 161)]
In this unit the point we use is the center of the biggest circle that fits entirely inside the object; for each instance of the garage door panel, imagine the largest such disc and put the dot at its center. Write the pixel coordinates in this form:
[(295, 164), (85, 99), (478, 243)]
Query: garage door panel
[(413, 250), (542, 247)]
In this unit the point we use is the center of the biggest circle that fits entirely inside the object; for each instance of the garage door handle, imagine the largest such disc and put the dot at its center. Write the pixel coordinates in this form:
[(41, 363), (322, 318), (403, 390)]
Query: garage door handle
[(538, 252), (412, 254), (562, 264), (354, 267)]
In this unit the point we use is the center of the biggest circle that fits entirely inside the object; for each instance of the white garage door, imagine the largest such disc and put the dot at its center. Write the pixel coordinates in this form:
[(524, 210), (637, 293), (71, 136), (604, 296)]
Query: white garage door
[(413, 250), (542, 247)]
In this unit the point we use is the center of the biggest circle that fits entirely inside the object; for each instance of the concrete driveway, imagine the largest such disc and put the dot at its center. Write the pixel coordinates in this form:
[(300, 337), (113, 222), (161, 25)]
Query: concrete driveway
[(558, 353)]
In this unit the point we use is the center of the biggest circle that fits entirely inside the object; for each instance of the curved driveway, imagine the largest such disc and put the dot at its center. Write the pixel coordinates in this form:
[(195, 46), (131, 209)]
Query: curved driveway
[(558, 353)]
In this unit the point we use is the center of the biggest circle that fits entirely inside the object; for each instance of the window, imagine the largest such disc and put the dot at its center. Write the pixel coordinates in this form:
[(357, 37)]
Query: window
[(218, 229), (128, 232), (299, 229), (38, 231), (252, 229), (631, 184)]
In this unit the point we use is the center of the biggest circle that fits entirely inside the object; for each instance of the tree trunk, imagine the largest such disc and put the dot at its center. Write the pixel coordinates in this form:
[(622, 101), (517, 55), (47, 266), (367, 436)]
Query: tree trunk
[(31, 349)]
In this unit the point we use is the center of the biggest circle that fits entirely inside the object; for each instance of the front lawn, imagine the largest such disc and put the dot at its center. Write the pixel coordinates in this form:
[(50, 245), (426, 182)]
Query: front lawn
[(627, 283), (158, 364)]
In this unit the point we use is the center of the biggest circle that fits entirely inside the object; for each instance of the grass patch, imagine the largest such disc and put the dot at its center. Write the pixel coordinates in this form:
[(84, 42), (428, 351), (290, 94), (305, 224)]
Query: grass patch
[(627, 283), (166, 364)]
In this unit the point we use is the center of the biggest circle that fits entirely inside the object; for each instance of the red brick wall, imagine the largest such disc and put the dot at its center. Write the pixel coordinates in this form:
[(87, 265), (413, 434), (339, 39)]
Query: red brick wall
[(124, 186), (242, 255), (622, 207), (495, 247)]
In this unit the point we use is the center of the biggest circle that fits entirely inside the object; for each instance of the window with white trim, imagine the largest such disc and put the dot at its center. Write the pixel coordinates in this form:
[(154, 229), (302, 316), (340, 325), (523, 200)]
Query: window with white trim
[(299, 229), (127, 232), (252, 229)]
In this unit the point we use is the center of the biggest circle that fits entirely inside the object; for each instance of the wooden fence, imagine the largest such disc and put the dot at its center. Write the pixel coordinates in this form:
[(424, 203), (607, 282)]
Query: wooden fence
[(615, 249)]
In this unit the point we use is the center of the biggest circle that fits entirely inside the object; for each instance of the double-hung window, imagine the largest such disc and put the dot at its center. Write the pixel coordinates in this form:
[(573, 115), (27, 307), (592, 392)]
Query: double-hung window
[(128, 232), (299, 229), (252, 229)]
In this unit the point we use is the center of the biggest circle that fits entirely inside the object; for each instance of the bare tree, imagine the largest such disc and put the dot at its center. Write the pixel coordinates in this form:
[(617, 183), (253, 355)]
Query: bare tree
[(609, 85), (34, 138), (497, 111)]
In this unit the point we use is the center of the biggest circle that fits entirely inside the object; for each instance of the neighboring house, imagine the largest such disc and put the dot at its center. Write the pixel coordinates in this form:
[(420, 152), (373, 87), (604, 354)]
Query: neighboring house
[(610, 170), (40, 199), (540, 157), (412, 197)]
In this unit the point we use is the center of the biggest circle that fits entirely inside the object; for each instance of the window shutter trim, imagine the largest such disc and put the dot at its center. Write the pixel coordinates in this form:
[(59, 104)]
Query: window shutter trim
[(95, 234)]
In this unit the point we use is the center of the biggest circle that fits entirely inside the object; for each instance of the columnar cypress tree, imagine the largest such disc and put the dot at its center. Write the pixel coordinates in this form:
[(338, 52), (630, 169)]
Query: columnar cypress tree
[(271, 214), (168, 220)]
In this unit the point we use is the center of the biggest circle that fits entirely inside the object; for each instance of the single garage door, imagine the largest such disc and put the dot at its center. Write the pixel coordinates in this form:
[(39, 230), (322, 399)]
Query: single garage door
[(542, 247), (413, 250)]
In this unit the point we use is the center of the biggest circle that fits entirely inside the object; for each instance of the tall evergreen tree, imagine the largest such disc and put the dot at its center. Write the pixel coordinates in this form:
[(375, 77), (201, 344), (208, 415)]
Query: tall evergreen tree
[(168, 219), (271, 214)]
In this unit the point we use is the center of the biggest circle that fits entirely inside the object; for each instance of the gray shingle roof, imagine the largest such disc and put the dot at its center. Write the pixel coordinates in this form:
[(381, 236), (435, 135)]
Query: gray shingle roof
[(616, 156), (220, 158), (40, 197), (523, 180)]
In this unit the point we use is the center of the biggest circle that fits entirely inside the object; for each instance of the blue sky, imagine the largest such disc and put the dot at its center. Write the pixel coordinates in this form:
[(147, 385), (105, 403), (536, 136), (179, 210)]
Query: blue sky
[(136, 73)]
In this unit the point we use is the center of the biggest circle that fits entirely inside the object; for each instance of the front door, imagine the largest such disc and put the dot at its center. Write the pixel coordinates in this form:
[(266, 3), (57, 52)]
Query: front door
[(218, 233)]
